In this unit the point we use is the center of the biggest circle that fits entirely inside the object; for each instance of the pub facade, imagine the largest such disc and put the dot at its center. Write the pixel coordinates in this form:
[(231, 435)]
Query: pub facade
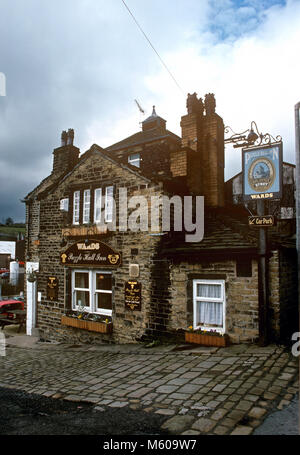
[(103, 267)]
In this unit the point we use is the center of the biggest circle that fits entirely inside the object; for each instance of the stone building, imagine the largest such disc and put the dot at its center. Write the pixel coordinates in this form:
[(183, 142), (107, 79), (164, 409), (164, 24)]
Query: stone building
[(102, 266)]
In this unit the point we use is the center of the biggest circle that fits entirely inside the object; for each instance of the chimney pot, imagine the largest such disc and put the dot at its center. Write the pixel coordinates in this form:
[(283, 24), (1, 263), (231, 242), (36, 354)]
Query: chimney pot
[(70, 136), (63, 138)]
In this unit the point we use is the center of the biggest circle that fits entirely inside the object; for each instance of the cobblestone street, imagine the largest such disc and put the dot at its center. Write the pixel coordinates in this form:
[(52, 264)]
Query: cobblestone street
[(198, 391)]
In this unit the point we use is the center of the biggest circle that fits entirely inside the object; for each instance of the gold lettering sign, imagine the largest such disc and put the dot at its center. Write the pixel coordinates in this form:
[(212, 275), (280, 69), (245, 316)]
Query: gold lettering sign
[(91, 253), (133, 295), (52, 288), (261, 221)]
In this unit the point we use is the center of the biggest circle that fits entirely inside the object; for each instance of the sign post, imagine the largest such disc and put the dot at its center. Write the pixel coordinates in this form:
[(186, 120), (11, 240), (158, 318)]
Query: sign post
[(297, 143), (262, 181)]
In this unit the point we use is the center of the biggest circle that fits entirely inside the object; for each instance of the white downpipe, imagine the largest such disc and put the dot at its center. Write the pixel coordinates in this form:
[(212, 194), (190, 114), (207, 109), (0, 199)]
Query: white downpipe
[(31, 292)]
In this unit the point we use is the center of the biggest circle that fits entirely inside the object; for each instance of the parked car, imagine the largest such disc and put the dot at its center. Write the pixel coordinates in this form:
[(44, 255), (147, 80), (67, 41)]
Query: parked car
[(9, 305), (3, 271), (4, 275)]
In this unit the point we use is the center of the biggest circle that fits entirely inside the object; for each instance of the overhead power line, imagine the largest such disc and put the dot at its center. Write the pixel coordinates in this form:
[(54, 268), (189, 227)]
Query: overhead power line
[(161, 60)]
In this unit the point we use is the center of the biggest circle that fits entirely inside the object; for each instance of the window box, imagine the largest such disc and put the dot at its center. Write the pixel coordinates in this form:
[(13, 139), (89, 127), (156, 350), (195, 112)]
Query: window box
[(205, 339), (92, 326)]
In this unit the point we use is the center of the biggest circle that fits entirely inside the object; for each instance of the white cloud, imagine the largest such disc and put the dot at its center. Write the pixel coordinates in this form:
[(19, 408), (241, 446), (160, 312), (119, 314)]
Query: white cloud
[(255, 77), (80, 65)]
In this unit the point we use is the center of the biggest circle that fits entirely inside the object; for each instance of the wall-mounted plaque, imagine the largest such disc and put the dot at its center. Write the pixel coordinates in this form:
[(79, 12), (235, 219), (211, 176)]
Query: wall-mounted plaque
[(91, 253), (133, 295), (52, 288)]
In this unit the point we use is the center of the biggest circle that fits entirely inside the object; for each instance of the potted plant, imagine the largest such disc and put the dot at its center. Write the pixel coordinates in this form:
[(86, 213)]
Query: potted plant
[(32, 276), (206, 337)]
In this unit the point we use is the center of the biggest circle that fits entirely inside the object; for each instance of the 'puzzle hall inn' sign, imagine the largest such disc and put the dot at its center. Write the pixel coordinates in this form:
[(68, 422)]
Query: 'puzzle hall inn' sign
[(90, 253), (262, 172)]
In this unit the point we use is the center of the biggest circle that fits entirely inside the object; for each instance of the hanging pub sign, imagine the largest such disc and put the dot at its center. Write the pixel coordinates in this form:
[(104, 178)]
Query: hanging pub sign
[(262, 172), (133, 295), (90, 253), (52, 288)]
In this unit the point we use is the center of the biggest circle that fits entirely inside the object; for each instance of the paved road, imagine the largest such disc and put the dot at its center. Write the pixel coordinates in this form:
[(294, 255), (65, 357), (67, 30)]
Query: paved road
[(200, 391), (282, 422)]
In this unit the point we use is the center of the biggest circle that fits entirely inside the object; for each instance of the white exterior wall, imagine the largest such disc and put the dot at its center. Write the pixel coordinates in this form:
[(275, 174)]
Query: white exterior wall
[(8, 247)]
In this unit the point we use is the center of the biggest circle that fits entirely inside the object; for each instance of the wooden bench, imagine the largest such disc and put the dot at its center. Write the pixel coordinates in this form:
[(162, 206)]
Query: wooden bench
[(18, 319)]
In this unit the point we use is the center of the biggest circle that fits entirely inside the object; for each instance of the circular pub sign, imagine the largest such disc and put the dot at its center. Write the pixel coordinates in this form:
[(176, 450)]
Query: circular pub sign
[(261, 174)]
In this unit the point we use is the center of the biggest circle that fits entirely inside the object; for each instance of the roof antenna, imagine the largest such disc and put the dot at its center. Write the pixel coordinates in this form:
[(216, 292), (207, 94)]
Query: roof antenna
[(139, 106), (142, 112)]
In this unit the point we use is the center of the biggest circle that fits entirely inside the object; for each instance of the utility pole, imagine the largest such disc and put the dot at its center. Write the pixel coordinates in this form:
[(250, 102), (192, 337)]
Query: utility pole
[(263, 279), (297, 146), (297, 178)]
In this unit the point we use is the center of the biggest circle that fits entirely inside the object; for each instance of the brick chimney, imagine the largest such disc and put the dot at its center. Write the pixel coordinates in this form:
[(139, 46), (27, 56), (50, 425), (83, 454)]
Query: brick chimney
[(66, 156), (201, 157)]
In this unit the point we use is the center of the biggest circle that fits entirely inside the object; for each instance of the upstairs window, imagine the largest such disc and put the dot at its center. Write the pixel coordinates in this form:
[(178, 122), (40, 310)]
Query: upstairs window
[(109, 204), (76, 207), (134, 159), (97, 205), (86, 206), (90, 206)]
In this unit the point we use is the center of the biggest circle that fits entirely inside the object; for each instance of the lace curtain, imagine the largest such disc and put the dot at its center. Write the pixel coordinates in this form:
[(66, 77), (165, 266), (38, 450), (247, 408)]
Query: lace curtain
[(209, 313)]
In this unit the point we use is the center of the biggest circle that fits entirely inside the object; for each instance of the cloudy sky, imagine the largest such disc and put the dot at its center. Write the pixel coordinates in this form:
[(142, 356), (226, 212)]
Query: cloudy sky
[(81, 64)]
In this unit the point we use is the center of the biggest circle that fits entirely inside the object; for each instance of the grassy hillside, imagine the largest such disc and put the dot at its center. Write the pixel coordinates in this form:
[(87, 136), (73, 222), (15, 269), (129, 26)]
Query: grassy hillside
[(12, 230)]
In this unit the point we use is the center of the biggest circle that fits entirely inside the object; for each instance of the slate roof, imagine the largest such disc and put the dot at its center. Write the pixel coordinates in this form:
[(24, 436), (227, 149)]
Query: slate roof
[(226, 232), (140, 138), (52, 181)]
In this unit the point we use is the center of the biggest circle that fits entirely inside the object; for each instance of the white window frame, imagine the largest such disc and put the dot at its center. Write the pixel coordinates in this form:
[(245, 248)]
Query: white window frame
[(64, 204), (92, 308), (76, 207), (196, 299), (99, 205), (86, 206), (134, 161), (109, 204), (101, 291), (74, 289)]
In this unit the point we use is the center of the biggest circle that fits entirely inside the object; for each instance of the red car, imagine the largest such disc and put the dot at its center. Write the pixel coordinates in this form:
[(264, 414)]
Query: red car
[(3, 271), (8, 305)]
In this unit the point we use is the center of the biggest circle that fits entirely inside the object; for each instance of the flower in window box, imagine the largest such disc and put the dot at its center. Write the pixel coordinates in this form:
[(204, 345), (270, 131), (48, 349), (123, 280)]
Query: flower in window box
[(206, 337)]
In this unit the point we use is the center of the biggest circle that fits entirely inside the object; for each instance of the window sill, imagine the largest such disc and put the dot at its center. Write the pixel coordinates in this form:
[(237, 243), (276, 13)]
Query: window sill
[(92, 326)]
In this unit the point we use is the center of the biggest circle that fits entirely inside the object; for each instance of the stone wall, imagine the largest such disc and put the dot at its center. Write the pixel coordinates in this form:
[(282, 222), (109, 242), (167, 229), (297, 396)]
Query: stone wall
[(129, 326), (241, 297)]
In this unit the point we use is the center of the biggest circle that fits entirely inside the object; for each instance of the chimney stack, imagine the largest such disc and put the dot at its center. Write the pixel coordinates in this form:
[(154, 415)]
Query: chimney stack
[(201, 157), (66, 156)]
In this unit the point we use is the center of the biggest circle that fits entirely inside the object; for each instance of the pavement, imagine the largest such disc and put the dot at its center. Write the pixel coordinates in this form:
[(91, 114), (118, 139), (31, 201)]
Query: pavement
[(199, 390)]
